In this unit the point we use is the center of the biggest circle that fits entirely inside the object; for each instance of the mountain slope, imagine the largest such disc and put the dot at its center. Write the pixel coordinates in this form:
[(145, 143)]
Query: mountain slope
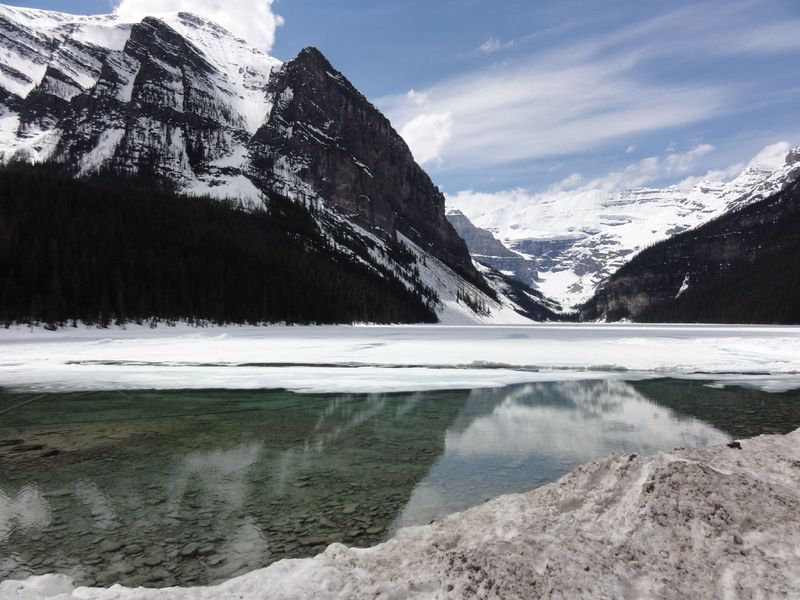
[(576, 241), (182, 101), (738, 268), (358, 164)]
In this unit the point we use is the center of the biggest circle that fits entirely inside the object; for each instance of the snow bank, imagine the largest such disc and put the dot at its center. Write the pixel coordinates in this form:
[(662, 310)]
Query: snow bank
[(714, 522), (366, 359)]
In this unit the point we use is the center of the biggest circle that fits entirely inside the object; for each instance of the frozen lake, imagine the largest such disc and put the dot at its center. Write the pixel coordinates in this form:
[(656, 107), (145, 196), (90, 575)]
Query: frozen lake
[(373, 359)]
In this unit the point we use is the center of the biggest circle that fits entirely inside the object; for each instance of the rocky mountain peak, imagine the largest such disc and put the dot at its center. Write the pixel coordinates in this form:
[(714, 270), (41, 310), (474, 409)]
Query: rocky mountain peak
[(327, 134), (179, 98)]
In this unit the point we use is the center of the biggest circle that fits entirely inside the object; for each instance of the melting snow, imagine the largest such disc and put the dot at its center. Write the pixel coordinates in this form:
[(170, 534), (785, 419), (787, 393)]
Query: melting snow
[(684, 286)]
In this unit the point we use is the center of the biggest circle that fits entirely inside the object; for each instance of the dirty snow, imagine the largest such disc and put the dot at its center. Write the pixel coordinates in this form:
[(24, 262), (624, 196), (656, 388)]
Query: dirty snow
[(713, 522)]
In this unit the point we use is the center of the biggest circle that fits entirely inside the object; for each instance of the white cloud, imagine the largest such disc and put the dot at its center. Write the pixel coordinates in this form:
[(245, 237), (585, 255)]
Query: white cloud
[(641, 173), (631, 149), (721, 175), (252, 20), (677, 163), (491, 45), (427, 134), (578, 96), (540, 108), (416, 98), (769, 39), (772, 156)]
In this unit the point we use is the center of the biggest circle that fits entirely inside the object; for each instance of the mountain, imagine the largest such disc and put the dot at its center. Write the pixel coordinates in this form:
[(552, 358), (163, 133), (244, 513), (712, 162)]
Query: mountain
[(488, 250), (739, 268), (180, 100), (575, 242)]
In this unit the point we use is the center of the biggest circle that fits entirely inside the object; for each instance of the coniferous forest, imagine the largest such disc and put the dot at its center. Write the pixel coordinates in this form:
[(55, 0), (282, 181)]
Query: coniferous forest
[(739, 268), (111, 250)]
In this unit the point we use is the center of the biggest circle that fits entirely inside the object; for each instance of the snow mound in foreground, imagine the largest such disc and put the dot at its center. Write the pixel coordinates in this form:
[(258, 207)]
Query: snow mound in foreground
[(715, 522)]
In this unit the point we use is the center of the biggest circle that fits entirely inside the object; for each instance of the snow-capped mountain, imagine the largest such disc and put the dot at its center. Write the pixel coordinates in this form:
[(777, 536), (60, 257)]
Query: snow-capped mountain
[(179, 98), (567, 245)]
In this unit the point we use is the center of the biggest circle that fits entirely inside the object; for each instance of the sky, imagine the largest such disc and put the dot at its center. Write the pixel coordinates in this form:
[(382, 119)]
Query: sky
[(526, 96)]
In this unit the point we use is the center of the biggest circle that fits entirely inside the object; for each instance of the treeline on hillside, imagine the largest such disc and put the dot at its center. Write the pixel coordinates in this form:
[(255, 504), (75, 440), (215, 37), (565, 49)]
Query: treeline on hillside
[(115, 250), (766, 291), (739, 268)]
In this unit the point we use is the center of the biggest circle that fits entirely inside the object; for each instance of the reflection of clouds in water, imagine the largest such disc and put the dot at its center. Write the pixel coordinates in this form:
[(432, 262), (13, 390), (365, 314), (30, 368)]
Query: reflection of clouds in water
[(513, 439), (331, 408), (292, 462), (29, 509), (246, 545), (97, 503), (409, 405), (220, 475), (220, 480), (576, 418)]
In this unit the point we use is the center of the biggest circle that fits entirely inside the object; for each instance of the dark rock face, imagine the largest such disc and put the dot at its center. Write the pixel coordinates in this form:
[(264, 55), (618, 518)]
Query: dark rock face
[(158, 95), (740, 267), (490, 251), (335, 140)]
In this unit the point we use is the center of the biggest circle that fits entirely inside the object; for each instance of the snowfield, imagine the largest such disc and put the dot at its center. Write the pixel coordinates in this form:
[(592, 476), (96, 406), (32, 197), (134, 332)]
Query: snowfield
[(401, 358), (713, 522)]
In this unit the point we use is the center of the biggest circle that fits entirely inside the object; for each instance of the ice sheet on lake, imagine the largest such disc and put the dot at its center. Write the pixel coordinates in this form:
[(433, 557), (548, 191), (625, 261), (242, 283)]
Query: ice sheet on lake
[(402, 358)]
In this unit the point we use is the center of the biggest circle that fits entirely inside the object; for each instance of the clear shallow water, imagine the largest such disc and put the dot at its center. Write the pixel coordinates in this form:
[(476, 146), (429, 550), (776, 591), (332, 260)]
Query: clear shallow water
[(188, 487)]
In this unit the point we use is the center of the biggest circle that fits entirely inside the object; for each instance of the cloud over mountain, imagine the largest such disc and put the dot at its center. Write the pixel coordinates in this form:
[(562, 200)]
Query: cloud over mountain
[(252, 20)]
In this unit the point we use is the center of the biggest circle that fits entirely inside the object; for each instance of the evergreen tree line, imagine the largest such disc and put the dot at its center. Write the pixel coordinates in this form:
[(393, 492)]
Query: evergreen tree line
[(115, 250), (741, 268), (766, 291)]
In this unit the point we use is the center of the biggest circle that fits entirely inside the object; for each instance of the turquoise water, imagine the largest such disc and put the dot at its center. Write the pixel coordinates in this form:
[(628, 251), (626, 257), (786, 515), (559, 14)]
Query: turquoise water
[(186, 487)]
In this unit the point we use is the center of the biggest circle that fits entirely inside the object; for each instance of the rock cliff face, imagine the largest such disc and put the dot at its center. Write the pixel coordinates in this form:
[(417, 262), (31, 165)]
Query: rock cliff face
[(180, 99), (337, 142), (488, 250)]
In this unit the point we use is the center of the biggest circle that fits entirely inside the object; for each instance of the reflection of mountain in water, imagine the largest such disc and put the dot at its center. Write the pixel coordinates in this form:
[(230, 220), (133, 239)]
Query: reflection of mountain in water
[(209, 484), (740, 412), (517, 438)]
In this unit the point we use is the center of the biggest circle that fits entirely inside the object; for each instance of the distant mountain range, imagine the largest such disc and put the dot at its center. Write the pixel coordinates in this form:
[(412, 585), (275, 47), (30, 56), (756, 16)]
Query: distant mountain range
[(179, 100), (566, 247)]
